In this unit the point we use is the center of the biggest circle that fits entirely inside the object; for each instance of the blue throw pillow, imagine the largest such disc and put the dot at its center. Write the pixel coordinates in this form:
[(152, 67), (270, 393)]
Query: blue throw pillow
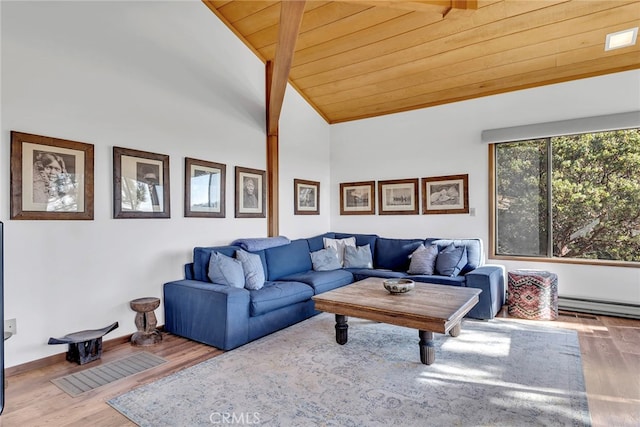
[(325, 260), (252, 268), (451, 260), (423, 260), (358, 257), (339, 245), (225, 270)]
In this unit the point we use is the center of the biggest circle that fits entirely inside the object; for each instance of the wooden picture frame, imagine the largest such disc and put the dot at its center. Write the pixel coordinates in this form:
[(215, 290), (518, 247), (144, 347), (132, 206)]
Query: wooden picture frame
[(204, 189), (398, 197), (51, 178), (140, 184), (358, 198), (306, 197), (445, 194), (251, 192)]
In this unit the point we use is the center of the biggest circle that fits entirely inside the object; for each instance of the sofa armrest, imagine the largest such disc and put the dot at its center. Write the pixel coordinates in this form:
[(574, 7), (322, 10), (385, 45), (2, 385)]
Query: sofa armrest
[(489, 278), (213, 314)]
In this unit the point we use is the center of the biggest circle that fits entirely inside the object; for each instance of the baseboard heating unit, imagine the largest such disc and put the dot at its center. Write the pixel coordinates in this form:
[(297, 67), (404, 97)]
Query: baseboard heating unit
[(606, 308)]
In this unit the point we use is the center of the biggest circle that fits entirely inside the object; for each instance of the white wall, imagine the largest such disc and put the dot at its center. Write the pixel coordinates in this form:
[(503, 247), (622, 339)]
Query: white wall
[(445, 140), (165, 77)]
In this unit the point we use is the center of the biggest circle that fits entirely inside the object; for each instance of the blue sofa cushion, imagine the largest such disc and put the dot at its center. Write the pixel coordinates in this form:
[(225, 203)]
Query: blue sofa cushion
[(316, 243), (451, 260), (323, 281), (358, 257), (325, 260), (393, 254), (252, 269), (275, 295), (225, 270), (201, 258), (474, 251), (384, 274), (361, 240), (438, 280), (288, 259)]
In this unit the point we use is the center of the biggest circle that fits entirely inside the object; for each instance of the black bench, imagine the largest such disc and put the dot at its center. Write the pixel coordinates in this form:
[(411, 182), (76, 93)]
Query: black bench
[(84, 346)]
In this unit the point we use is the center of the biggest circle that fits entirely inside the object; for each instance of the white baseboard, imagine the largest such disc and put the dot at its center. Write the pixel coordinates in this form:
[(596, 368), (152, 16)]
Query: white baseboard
[(608, 308)]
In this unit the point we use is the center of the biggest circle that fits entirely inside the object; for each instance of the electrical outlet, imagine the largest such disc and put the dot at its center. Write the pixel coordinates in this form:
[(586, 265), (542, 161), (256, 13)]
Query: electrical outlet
[(11, 325)]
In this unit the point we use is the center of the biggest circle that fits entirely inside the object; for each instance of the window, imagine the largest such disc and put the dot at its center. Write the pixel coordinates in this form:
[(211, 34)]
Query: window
[(568, 197)]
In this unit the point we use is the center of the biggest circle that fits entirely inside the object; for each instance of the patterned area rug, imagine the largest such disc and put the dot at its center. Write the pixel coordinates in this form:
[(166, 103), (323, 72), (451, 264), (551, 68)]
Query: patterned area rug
[(495, 373), (89, 379)]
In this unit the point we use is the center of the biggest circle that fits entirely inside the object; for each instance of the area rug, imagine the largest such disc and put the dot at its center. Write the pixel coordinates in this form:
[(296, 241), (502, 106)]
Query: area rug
[(92, 378), (495, 373)]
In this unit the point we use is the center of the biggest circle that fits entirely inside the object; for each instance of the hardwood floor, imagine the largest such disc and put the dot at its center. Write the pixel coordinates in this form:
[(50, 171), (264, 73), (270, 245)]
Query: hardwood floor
[(610, 350)]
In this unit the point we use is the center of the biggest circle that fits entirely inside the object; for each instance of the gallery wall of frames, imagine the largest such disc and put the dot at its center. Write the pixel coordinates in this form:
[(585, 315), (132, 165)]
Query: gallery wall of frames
[(52, 179), (439, 194)]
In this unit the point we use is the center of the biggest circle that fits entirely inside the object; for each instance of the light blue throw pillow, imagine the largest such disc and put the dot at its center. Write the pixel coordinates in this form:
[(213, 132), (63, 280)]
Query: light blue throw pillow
[(225, 270), (325, 260), (358, 257), (253, 270), (451, 260), (423, 260), (339, 245)]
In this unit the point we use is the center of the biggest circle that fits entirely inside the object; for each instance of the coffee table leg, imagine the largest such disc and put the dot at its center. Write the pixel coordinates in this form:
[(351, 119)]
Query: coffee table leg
[(427, 350), (455, 331), (341, 329)]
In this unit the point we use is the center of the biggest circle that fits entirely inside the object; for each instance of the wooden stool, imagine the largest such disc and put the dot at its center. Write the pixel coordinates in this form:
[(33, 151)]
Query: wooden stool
[(532, 294), (84, 346), (146, 321)]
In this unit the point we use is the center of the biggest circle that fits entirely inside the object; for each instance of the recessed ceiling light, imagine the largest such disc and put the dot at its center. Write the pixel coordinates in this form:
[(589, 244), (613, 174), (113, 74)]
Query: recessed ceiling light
[(621, 39)]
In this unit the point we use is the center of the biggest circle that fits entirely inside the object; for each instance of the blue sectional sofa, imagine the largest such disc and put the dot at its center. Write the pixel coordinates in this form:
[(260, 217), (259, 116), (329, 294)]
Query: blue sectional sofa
[(227, 317)]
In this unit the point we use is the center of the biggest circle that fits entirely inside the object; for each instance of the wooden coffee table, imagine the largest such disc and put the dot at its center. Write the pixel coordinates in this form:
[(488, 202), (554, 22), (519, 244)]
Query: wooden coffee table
[(428, 308)]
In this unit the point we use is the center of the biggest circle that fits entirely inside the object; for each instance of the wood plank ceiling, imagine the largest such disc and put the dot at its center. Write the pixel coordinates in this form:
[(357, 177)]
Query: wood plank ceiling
[(357, 59)]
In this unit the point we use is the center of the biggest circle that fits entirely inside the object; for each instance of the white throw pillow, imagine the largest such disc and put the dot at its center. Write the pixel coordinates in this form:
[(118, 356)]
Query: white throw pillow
[(338, 245)]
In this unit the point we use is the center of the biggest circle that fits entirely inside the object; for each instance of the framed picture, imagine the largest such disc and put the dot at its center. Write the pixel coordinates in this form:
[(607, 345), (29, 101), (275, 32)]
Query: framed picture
[(445, 194), (306, 195), (204, 188), (251, 190), (51, 178), (140, 184), (398, 197), (358, 198)]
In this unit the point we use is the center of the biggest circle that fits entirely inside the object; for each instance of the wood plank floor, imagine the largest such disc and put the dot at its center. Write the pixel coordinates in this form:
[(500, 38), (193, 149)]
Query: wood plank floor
[(610, 350)]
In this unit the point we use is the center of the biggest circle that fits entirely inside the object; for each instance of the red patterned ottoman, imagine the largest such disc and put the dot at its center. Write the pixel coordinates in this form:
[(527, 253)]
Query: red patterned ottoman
[(533, 294)]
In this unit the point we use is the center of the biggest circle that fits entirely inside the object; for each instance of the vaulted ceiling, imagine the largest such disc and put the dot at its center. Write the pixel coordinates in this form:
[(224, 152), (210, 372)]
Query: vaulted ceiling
[(357, 59)]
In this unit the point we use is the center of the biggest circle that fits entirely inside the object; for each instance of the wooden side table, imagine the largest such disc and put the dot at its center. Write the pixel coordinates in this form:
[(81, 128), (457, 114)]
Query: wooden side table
[(146, 321)]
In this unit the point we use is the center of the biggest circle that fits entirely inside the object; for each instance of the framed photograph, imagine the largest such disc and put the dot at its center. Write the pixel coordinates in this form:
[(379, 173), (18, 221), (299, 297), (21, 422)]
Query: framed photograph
[(51, 178), (358, 198), (140, 184), (204, 188), (398, 197), (251, 190), (306, 195), (445, 194)]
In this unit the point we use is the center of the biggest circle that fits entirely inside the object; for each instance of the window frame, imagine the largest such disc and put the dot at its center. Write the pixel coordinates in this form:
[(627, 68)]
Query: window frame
[(527, 258)]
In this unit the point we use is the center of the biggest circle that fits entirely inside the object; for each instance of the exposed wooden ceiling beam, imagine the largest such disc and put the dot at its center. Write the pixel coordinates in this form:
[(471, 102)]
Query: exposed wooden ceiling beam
[(290, 19), (441, 7)]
